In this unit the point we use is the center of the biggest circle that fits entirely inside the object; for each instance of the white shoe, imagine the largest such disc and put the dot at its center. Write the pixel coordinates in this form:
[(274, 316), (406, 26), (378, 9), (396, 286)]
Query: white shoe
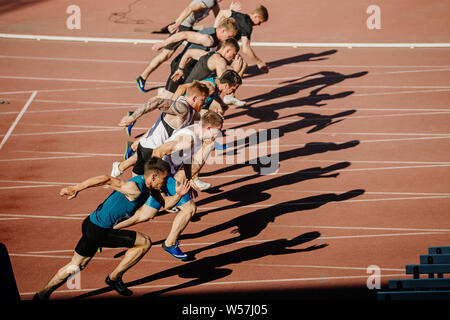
[(116, 172), (202, 185), (233, 100)]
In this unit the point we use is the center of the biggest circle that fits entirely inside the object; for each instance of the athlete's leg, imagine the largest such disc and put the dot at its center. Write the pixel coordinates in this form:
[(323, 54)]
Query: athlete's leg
[(163, 56), (187, 210), (77, 263), (132, 256)]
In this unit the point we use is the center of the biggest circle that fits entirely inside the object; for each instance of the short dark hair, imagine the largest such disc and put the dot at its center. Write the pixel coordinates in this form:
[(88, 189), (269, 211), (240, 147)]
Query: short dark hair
[(197, 87), (230, 77), (156, 164), (230, 42)]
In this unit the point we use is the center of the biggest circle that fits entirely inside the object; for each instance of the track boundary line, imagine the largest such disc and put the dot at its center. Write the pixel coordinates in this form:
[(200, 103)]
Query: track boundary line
[(256, 43), (19, 116)]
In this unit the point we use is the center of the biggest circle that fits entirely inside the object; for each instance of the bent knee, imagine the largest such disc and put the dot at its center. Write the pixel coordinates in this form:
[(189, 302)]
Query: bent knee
[(189, 207), (143, 240)]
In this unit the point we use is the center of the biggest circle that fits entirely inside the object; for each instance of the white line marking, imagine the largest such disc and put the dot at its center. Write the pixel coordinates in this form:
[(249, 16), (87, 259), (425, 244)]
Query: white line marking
[(39, 182), (303, 65), (27, 187), (414, 71), (398, 92), (366, 192), (63, 79), (39, 217), (11, 129), (73, 59), (366, 161), (70, 109), (221, 283), (79, 153), (64, 132), (43, 158), (69, 90), (256, 44)]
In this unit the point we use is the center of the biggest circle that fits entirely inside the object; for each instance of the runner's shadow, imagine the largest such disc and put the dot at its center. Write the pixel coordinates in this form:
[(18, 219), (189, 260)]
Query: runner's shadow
[(252, 193), (252, 224), (254, 71), (212, 268), (259, 163), (316, 97)]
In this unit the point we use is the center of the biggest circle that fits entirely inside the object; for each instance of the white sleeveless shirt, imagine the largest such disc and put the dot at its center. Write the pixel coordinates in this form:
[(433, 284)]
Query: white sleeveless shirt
[(177, 158), (161, 130)]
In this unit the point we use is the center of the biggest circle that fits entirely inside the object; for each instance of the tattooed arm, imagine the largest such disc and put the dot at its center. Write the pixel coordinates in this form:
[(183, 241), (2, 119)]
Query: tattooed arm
[(150, 105)]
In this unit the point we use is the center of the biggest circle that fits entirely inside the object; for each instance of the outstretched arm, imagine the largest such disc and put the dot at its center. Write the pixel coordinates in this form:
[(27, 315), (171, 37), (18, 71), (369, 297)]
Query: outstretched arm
[(127, 188), (184, 14), (248, 51), (190, 36), (150, 105)]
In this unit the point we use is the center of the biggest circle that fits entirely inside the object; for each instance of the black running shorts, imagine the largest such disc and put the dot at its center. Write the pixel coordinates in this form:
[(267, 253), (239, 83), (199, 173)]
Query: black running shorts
[(143, 155), (95, 236)]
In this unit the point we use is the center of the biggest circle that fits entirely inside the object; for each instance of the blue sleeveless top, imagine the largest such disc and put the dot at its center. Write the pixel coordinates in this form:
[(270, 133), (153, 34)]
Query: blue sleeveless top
[(117, 207)]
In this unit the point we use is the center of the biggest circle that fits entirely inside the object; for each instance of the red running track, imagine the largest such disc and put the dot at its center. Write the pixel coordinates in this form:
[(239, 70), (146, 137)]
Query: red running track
[(362, 179)]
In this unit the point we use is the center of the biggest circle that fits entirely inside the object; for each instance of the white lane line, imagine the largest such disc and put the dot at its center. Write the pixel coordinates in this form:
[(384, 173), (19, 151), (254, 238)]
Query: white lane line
[(222, 283), (44, 158), (38, 182), (39, 217), (247, 84), (368, 161), (28, 187), (256, 43), (22, 112), (63, 79), (73, 59), (65, 132), (78, 153), (71, 109), (72, 89), (376, 140), (366, 192)]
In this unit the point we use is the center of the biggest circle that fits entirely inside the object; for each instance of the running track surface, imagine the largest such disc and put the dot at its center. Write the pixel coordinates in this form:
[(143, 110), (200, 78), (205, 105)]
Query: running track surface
[(362, 179)]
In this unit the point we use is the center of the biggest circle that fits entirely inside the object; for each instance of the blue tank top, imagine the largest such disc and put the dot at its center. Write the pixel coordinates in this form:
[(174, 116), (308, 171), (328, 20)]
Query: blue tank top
[(213, 96), (117, 207)]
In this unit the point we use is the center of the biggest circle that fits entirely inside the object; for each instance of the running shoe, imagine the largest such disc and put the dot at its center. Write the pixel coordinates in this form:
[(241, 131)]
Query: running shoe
[(202, 185), (233, 100), (116, 172), (175, 251), (119, 286), (128, 151), (128, 129), (141, 84), (173, 210), (37, 297)]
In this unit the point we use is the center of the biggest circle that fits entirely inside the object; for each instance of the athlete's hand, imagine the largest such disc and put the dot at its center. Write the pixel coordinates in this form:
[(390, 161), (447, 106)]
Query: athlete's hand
[(182, 186), (157, 46), (173, 28), (194, 190), (235, 6), (177, 75), (126, 121), (71, 192)]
